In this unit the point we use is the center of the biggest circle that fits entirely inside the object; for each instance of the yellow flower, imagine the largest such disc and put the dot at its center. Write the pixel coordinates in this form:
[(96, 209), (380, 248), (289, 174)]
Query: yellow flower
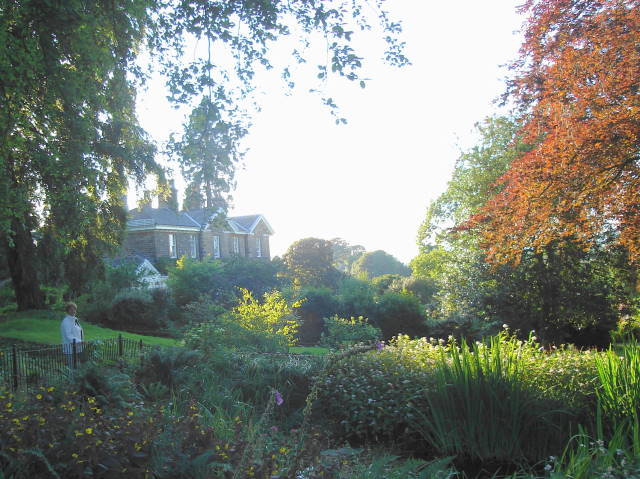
[(81, 414), (74, 455), (51, 389), (283, 450), (129, 413), (88, 430), (38, 396)]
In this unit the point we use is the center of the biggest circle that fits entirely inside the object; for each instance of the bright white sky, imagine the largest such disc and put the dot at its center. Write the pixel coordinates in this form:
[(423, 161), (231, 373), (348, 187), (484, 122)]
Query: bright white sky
[(370, 182)]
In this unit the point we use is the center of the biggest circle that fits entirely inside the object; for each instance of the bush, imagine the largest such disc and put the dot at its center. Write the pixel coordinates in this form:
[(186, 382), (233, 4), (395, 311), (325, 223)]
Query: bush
[(347, 332), (400, 314), (192, 280), (273, 316), (314, 304), (168, 366), (505, 400), (7, 297), (462, 328), (95, 304), (225, 333), (136, 311), (355, 298), (260, 276)]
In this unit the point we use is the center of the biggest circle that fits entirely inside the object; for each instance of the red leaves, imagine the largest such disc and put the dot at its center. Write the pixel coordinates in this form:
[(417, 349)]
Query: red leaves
[(578, 80)]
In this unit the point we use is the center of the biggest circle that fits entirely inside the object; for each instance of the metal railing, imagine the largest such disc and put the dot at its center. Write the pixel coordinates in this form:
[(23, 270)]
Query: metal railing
[(28, 368)]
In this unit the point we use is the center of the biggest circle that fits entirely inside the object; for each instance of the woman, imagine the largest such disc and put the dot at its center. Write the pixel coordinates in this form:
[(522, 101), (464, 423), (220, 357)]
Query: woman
[(71, 331)]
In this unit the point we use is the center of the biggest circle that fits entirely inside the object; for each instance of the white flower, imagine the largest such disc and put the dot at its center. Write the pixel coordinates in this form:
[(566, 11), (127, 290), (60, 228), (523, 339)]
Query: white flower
[(548, 467), (505, 326)]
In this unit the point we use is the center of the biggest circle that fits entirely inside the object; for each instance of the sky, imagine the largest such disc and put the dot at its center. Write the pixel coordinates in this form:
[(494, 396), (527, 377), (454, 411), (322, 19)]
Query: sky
[(370, 182)]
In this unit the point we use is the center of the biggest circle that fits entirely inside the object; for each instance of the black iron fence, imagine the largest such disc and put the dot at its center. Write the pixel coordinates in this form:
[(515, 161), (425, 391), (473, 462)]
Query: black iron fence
[(27, 368)]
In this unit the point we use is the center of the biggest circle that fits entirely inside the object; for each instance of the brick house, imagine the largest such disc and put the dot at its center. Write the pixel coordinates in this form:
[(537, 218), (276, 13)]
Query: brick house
[(165, 233)]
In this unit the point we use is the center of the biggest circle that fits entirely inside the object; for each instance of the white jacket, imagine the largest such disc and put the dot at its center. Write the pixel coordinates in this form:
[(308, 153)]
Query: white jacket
[(70, 329)]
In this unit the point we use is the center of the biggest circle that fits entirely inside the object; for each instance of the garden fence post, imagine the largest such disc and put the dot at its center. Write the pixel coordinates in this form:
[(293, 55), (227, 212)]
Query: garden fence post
[(14, 357), (74, 352), (120, 346)]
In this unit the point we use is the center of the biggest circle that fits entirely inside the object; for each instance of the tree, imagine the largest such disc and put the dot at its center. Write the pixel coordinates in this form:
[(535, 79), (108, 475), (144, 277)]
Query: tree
[(345, 254), (68, 133), (208, 154), (563, 292), (377, 263), (69, 138), (577, 82), (310, 263)]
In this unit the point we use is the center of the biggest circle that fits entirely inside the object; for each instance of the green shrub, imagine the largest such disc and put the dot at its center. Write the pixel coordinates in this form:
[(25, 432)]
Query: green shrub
[(94, 306), (168, 366), (343, 332), (190, 280), (135, 310), (399, 314), (108, 387), (355, 298), (462, 328), (225, 333), (502, 401), (375, 396), (274, 315), (315, 303)]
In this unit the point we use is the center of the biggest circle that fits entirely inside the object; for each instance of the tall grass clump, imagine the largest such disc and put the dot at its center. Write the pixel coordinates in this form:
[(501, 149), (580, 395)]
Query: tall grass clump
[(481, 410), (619, 391)]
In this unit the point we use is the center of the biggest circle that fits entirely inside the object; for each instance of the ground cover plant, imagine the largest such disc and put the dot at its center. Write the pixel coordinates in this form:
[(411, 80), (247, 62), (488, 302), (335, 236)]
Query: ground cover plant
[(495, 406), (405, 409)]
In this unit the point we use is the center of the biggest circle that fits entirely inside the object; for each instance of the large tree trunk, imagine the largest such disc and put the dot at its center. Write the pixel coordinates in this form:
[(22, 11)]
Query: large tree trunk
[(20, 259)]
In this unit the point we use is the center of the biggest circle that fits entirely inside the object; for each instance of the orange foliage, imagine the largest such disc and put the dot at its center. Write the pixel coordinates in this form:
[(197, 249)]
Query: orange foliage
[(578, 83)]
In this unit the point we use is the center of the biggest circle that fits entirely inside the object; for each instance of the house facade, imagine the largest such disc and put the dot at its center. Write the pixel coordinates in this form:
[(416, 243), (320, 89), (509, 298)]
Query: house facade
[(164, 233)]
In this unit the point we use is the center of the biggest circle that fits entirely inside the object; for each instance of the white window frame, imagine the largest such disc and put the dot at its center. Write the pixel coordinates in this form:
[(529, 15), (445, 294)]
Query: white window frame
[(236, 245), (173, 246), (216, 246), (258, 247), (193, 243)]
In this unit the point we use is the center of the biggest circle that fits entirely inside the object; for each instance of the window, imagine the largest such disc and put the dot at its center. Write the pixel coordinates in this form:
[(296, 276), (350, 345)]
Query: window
[(216, 246), (173, 251), (193, 242), (258, 247), (236, 245)]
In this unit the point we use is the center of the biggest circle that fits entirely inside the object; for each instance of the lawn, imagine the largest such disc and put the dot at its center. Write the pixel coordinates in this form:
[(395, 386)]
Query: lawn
[(44, 327), (314, 350)]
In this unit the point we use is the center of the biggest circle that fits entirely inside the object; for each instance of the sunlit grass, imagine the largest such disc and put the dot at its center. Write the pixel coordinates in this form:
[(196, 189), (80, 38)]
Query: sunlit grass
[(317, 351), (44, 327)]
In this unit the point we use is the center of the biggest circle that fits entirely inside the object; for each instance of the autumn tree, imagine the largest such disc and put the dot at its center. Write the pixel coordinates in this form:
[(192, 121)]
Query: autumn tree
[(69, 137), (577, 83), (565, 293)]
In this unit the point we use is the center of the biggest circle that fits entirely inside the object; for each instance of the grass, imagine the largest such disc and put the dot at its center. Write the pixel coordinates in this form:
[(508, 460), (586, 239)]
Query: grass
[(314, 350), (43, 327)]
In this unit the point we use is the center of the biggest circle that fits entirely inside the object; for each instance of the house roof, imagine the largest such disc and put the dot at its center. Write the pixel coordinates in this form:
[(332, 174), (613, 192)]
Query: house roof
[(148, 216), (136, 260), (248, 223), (202, 216)]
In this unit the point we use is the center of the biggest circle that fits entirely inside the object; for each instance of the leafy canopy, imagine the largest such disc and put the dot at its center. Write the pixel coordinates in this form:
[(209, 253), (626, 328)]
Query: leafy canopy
[(578, 83)]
